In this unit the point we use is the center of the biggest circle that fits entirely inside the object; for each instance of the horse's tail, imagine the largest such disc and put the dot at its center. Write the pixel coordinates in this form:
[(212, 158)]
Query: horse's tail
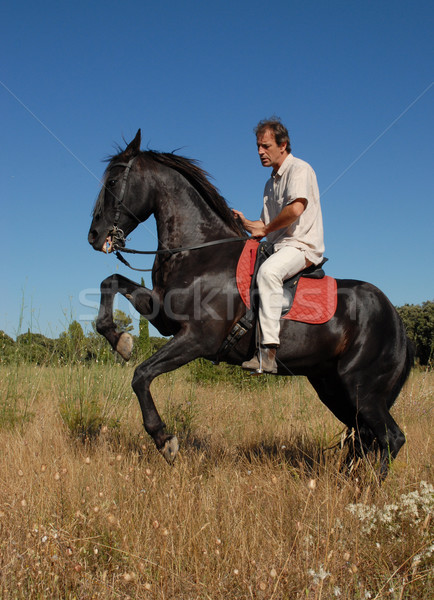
[(406, 368)]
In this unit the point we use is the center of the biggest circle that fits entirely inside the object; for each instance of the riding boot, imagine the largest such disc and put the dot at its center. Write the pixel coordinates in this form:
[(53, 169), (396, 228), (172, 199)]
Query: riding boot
[(253, 364), (264, 361)]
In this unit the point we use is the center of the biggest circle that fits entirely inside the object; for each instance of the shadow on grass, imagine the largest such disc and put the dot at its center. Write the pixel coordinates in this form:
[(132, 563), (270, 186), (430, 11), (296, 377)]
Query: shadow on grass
[(302, 454)]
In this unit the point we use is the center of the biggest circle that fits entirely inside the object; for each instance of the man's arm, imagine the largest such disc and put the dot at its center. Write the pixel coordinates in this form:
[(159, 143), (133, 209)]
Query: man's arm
[(288, 215)]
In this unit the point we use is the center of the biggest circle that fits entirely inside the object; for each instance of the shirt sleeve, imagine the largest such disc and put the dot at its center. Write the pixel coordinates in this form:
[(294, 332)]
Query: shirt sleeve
[(299, 185)]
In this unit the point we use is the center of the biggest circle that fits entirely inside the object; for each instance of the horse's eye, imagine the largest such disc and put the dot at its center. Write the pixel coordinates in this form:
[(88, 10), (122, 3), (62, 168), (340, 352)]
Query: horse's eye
[(111, 182)]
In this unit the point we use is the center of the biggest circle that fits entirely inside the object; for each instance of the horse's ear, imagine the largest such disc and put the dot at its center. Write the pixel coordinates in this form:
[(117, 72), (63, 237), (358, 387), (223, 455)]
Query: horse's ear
[(134, 146)]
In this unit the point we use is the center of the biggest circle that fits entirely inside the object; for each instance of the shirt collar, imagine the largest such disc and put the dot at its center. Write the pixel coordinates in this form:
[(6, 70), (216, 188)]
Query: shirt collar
[(284, 166)]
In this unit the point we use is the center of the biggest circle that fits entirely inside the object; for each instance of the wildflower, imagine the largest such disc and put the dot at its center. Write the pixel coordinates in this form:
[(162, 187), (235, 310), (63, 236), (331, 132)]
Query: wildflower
[(320, 576), (312, 484), (236, 572), (366, 514), (388, 513), (337, 591), (87, 460), (43, 468), (273, 573), (111, 519)]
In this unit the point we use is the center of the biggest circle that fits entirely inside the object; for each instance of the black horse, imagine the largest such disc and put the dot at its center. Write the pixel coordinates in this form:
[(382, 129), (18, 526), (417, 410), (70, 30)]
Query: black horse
[(357, 362)]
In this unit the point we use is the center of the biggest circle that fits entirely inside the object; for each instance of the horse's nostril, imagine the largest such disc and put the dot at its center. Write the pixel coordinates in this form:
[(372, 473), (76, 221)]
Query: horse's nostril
[(91, 237)]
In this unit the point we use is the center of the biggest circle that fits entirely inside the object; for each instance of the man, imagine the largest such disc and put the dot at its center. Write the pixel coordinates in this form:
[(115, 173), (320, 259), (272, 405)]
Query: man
[(291, 219)]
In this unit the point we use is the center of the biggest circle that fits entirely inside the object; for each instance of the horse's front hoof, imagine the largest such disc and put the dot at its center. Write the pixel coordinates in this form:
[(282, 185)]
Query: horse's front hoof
[(125, 346), (170, 449)]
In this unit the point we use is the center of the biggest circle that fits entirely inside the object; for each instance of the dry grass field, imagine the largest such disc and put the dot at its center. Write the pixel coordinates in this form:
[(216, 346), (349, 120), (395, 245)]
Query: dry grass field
[(254, 507)]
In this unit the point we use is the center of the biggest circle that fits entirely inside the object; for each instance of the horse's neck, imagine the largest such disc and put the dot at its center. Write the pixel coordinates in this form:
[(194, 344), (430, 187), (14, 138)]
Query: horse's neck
[(183, 218)]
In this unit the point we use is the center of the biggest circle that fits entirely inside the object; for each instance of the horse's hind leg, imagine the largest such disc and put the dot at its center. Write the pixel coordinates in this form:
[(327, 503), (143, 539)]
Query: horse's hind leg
[(363, 412), (369, 396), (139, 296), (333, 394), (389, 436)]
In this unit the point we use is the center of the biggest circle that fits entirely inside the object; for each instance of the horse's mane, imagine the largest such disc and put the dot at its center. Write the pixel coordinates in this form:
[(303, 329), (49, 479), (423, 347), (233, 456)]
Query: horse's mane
[(198, 178)]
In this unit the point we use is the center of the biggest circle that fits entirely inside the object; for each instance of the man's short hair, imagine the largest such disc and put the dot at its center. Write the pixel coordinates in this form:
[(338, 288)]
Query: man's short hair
[(275, 125)]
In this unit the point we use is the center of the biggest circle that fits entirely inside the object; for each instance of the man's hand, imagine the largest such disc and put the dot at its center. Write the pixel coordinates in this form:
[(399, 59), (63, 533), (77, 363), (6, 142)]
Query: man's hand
[(238, 214), (255, 228)]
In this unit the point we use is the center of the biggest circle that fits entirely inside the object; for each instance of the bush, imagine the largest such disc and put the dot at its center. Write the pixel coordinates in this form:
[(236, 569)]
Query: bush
[(419, 323)]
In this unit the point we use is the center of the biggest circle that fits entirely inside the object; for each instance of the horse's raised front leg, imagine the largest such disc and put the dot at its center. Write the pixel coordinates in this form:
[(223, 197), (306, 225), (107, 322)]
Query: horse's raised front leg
[(180, 350), (140, 298)]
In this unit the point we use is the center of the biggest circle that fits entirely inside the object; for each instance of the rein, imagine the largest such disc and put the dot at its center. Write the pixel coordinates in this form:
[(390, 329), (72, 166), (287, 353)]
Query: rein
[(174, 250)]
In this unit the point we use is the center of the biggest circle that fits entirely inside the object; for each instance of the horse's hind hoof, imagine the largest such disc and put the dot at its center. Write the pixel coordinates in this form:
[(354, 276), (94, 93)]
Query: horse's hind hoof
[(170, 449), (125, 346)]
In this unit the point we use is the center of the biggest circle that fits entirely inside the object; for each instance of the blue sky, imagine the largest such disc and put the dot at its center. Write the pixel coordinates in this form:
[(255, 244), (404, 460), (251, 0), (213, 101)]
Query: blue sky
[(353, 82)]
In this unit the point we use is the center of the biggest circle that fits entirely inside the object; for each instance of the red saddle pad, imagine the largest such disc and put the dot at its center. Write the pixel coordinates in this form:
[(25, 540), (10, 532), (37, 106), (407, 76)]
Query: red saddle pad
[(315, 299)]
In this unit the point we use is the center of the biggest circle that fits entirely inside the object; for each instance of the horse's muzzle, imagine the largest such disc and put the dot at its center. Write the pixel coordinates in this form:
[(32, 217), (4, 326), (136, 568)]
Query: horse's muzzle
[(97, 241)]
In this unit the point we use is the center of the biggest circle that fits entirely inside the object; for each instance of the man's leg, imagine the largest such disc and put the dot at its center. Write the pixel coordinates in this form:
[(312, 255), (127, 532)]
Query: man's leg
[(281, 265)]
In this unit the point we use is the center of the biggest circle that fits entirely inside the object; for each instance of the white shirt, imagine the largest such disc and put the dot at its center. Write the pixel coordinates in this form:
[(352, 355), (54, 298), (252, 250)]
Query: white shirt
[(295, 179)]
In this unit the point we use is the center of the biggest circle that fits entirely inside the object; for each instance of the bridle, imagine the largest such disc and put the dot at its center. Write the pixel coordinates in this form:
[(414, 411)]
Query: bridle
[(118, 236)]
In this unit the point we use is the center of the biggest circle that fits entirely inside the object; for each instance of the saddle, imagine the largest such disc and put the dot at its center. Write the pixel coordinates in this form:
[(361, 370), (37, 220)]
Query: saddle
[(310, 296), (264, 251)]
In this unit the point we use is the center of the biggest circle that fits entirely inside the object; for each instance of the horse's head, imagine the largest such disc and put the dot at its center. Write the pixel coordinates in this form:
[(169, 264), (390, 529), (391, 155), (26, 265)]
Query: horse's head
[(116, 212)]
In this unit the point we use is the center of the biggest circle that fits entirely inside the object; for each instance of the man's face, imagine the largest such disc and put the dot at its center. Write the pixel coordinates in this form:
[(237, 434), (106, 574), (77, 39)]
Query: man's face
[(270, 153)]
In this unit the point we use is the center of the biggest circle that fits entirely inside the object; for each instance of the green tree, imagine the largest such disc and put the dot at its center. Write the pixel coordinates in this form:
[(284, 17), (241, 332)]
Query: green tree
[(34, 347), (143, 342), (7, 348), (71, 344), (122, 321), (419, 324)]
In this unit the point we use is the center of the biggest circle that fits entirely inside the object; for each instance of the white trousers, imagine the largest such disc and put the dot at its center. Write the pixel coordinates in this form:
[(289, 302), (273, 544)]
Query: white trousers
[(283, 264)]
